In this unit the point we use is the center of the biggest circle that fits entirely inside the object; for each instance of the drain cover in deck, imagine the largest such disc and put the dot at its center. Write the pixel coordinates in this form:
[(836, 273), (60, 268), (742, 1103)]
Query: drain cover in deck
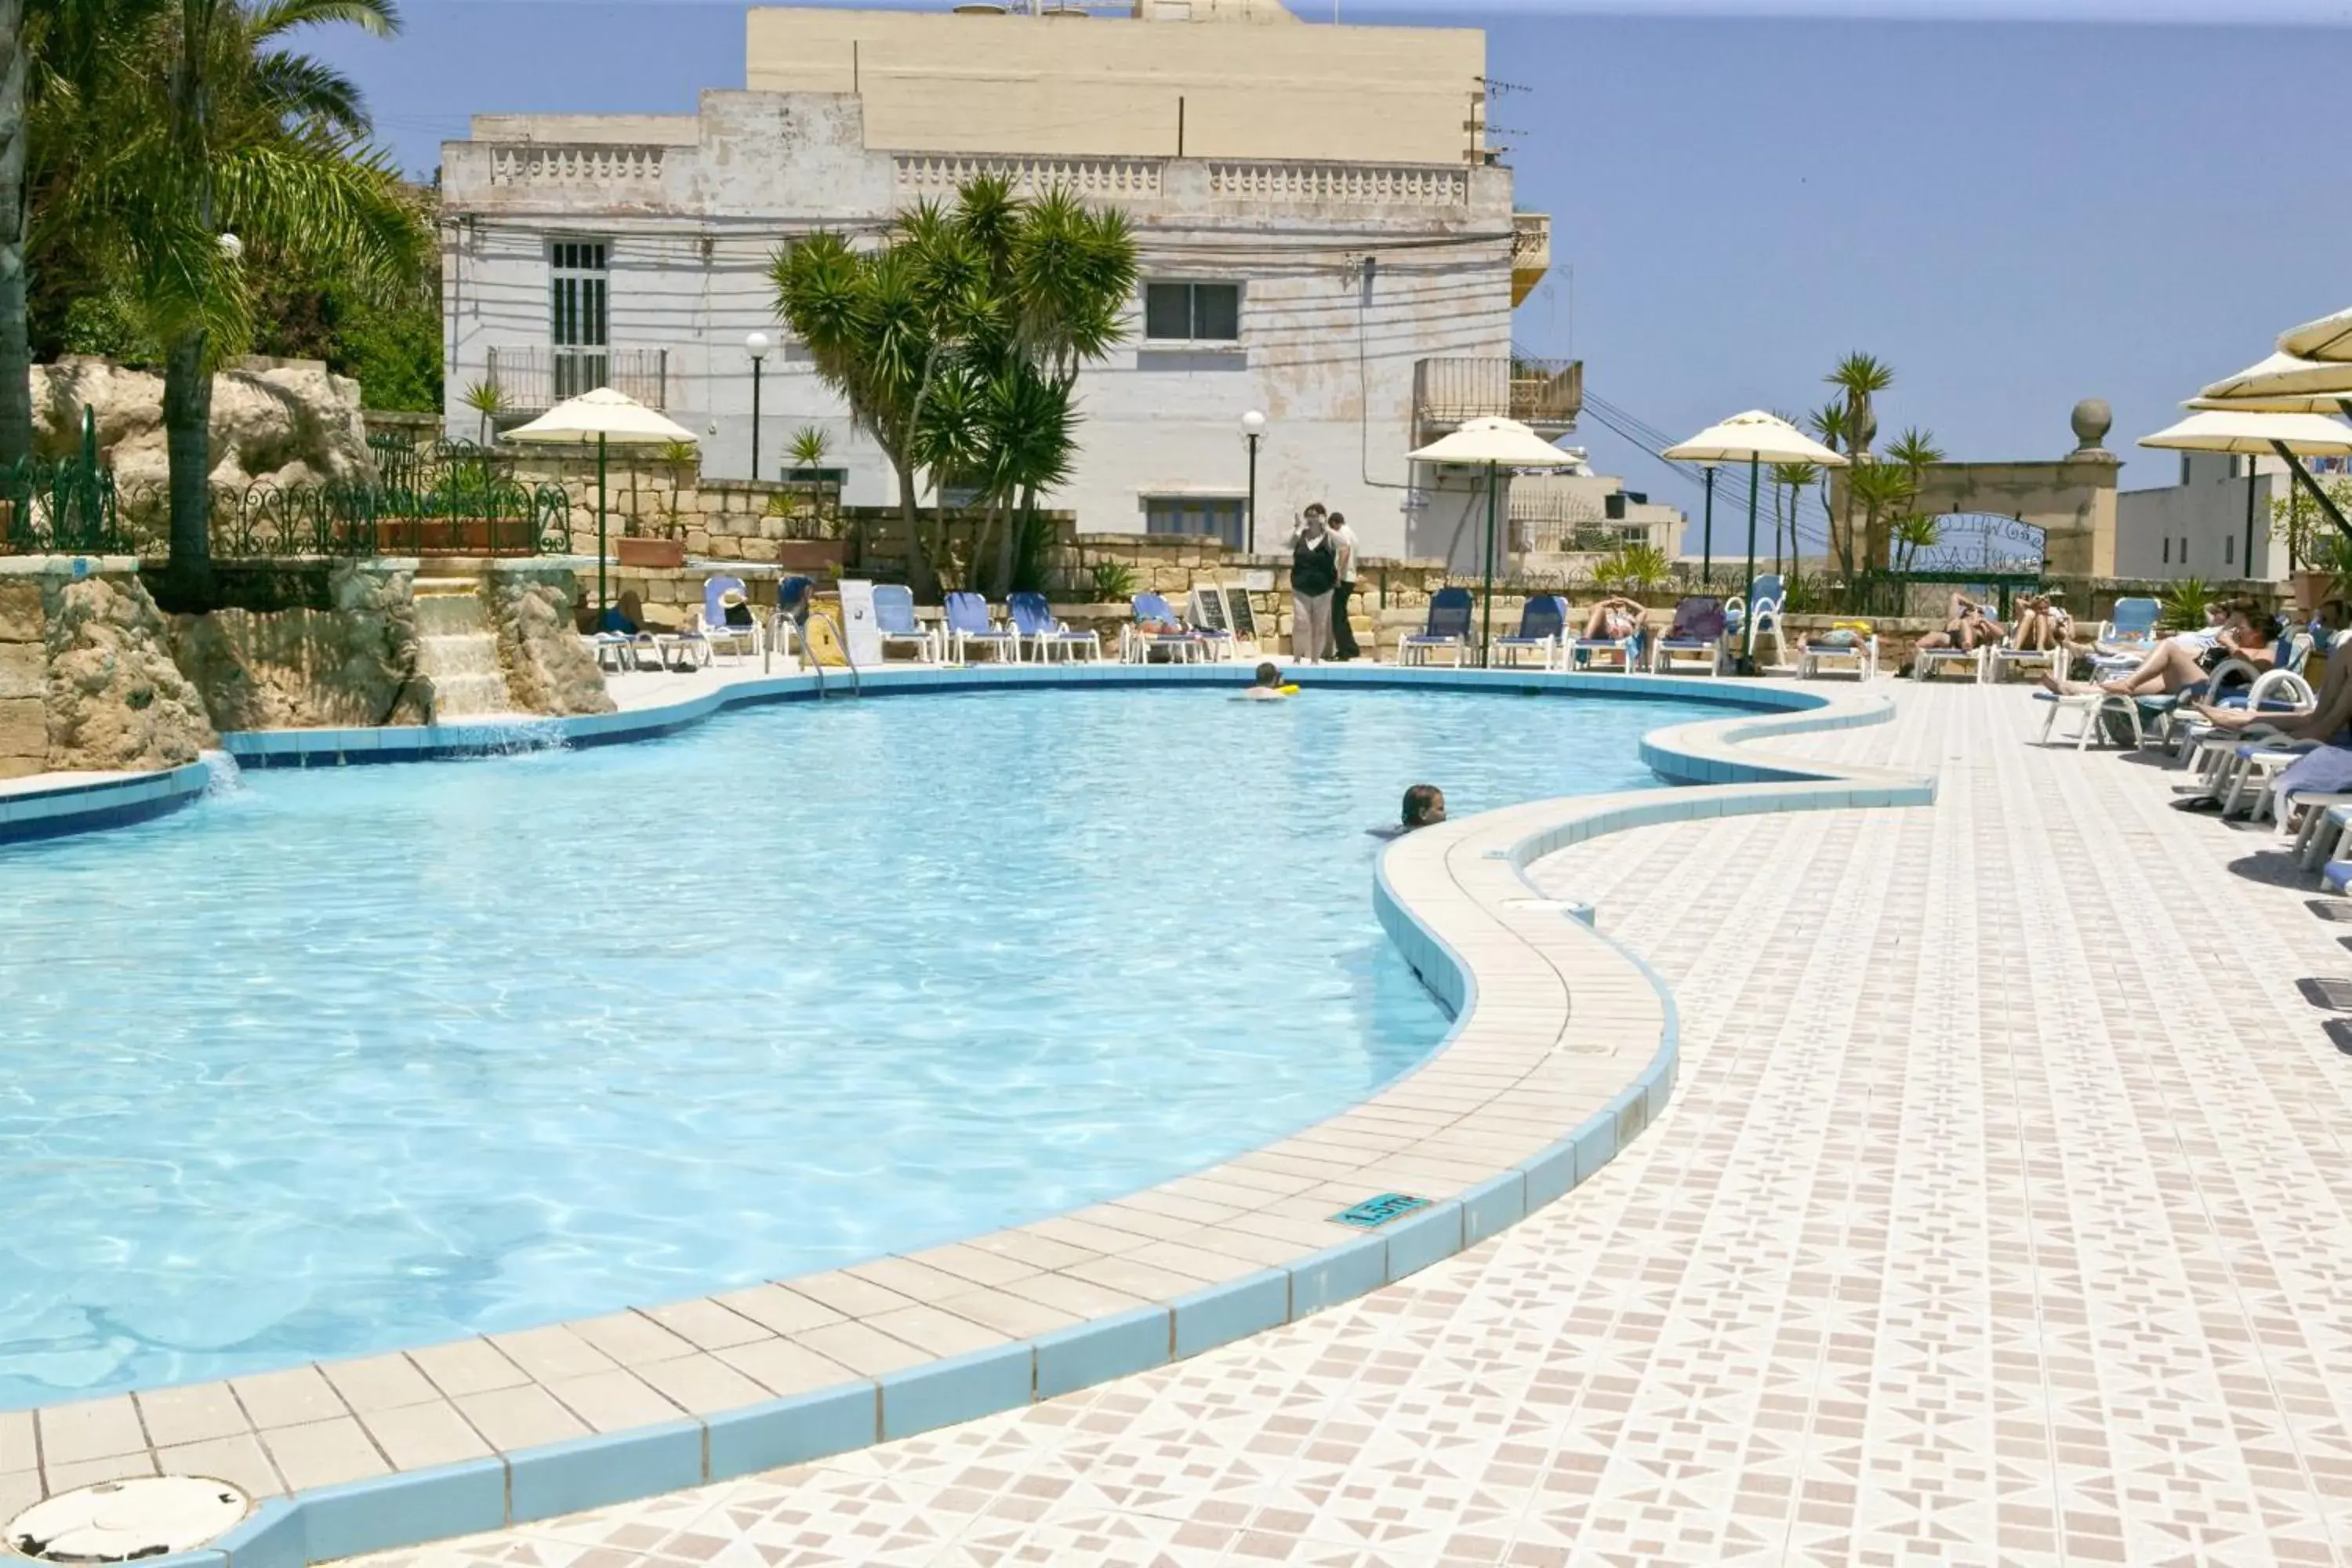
[(115, 1522)]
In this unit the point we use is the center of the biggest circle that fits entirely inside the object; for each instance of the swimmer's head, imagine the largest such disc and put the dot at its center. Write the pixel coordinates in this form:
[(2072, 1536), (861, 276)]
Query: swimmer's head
[(1423, 805), (1268, 675)]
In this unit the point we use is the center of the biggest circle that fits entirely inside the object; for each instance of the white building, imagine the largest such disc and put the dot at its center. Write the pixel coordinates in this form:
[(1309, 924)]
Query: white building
[(1324, 240), (2198, 527)]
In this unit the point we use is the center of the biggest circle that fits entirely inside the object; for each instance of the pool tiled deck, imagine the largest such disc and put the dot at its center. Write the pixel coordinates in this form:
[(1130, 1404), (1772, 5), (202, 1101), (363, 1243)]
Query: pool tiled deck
[(1998, 1217), (1567, 1054)]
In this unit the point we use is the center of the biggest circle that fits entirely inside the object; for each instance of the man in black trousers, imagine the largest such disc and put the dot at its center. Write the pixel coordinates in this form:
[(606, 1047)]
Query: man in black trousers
[(1343, 545)]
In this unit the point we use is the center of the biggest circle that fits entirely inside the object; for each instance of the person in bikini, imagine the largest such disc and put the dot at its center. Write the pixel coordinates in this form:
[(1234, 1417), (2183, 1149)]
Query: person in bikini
[(1614, 619)]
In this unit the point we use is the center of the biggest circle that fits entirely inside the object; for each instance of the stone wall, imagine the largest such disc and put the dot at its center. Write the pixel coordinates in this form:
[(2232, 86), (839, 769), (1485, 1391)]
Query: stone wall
[(87, 680), (534, 612), (353, 664)]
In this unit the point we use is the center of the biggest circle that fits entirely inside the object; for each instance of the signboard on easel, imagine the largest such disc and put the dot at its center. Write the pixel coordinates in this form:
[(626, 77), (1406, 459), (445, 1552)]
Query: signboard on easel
[(857, 625)]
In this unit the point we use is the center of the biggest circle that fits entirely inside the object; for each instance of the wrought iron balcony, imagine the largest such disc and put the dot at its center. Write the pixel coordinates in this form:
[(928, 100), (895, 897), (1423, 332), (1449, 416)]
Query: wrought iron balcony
[(535, 378), (1545, 393)]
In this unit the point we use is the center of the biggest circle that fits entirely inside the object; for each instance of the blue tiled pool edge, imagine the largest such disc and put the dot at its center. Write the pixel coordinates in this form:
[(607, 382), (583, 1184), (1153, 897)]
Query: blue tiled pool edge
[(413, 1507)]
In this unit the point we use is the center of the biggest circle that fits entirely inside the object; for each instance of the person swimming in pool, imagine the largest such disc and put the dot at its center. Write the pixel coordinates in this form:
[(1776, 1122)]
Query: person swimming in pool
[(1267, 686), (1425, 806)]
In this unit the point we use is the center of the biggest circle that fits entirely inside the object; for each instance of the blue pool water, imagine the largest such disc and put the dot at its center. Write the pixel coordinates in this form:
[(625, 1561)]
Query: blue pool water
[(343, 1061)]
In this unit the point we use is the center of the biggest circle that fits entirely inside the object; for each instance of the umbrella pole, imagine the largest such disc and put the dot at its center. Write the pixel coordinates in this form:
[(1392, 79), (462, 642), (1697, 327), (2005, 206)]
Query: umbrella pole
[(2249, 561), (600, 533), (1486, 638), (1747, 620), (1707, 536)]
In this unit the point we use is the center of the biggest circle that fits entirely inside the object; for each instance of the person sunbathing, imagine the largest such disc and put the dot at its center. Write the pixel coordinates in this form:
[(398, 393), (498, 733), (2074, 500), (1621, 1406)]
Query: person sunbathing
[(1967, 627), (1614, 619), (2041, 626), (2178, 663), (2330, 714)]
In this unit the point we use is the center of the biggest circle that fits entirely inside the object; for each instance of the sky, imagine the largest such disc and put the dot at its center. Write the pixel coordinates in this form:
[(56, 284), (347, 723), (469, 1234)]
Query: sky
[(2015, 212)]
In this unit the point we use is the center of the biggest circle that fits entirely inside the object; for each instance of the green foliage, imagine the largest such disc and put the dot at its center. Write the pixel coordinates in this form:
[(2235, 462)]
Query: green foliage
[(809, 447), (2183, 605), (1808, 593), (1632, 567), (958, 344), (1912, 533), (487, 399), (1111, 582)]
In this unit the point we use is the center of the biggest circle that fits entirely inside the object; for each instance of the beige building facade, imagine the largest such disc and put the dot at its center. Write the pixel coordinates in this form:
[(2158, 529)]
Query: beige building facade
[(1322, 242)]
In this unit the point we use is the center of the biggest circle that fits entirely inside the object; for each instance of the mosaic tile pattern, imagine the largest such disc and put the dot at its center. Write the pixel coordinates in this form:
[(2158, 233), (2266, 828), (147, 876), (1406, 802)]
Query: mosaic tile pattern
[(1995, 1220)]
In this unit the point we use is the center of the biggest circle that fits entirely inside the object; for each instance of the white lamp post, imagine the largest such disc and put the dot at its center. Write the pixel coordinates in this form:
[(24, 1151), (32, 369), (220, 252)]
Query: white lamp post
[(1253, 431), (757, 345)]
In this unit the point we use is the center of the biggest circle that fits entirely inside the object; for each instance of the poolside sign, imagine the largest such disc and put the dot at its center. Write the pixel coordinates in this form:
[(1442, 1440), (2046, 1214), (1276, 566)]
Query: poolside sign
[(1379, 1211), (858, 628)]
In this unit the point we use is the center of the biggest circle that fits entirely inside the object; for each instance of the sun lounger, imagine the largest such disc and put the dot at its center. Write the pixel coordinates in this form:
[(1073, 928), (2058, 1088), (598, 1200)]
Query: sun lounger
[(1758, 615), (1543, 629), (1695, 643), (1854, 653), (894, 620), (1447, 629), (1033, 624), (969, 624), (1157, 629), (717, 634)]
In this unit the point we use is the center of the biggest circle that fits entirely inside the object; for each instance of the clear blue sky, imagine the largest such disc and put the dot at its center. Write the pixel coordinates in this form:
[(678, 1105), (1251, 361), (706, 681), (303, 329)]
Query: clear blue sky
[(2016, 214)]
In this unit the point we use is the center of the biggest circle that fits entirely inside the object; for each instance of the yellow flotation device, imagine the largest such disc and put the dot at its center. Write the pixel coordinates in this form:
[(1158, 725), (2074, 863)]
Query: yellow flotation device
[(823, 641), (1287, 691)]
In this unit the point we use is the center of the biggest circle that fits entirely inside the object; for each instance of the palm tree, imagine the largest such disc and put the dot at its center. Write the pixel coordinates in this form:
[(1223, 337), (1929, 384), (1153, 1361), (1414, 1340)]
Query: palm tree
[(1792, 478), (1882, 490), (16, 341), (1859, 377), (1833, 424), (212, 133)]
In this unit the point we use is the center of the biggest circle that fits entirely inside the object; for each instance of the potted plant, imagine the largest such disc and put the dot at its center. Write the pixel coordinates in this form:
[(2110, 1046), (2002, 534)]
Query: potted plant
[(667, 547)]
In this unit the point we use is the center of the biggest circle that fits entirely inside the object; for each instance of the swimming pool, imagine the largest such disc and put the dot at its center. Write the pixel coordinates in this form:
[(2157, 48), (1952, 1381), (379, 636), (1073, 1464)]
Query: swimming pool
[(347, 1060)]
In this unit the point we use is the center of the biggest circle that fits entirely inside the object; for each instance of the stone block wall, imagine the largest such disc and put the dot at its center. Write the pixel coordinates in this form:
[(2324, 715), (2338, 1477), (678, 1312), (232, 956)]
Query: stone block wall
[(87, 679)]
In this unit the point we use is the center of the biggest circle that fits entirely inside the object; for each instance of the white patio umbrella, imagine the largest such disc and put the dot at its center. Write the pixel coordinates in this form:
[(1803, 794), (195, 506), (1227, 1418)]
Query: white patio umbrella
[(603, 416), (2328, 337), (1761, 439), (2253, 434), (2281, 384), (1499, 444)]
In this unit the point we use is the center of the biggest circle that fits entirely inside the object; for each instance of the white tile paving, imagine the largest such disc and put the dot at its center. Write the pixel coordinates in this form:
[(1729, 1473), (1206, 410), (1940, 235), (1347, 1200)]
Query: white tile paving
[(1994, 1220)]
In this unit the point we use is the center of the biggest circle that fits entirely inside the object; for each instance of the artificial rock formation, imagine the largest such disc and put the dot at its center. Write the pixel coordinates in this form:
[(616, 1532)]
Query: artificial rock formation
[(549, 669), (353, 665), (282, 422), (87, 680)]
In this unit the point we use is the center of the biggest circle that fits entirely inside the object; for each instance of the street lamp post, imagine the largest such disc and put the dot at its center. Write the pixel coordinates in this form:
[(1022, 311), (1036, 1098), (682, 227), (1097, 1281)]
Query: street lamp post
[(756, 344), (1253, 431)]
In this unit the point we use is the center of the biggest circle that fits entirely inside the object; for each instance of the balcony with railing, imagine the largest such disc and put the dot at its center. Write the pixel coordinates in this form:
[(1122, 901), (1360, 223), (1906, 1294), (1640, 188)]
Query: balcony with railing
[(1544, 394), (534, 378), (1530, 252)]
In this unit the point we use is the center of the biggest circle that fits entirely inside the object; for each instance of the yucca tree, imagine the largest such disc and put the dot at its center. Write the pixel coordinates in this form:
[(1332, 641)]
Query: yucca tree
[(1883, 491), (958, 342), (213, 129)]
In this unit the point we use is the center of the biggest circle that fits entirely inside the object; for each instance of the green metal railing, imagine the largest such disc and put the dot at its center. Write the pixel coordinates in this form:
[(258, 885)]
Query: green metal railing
[(446, 497)]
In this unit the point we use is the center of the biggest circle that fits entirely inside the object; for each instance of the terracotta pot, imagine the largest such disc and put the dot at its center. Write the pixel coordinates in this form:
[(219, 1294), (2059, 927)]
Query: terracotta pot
[(654, 552), (2311, 590)]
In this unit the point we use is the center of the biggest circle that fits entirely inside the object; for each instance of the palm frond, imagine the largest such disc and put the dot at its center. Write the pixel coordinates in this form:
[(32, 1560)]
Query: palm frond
[(274, 18)]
